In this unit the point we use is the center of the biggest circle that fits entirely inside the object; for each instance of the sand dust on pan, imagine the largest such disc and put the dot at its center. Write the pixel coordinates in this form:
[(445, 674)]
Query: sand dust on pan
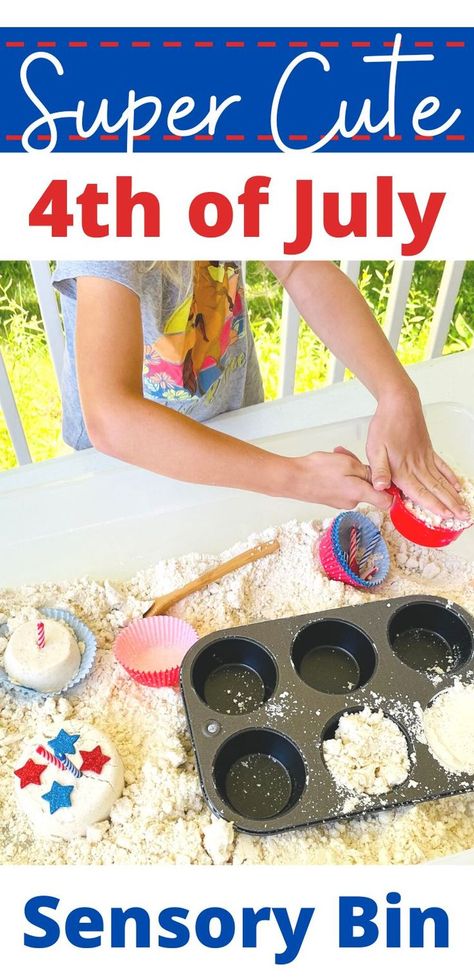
[(449, 728), (368, 754)]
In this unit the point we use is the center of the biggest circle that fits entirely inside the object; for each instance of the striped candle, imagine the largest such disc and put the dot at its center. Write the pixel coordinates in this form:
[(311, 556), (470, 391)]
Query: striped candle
[(353, 550), (48, 755), (370, 548), (40, 639), (70, 767)]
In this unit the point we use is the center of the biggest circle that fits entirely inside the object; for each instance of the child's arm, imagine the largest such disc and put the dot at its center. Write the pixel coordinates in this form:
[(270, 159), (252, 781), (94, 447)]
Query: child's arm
[(398, 445), (122, 423)]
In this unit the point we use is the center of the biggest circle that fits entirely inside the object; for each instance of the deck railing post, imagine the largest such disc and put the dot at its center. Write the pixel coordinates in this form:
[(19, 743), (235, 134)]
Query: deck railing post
[(49, 314), (290, 328), (12, 417), (447, 295)]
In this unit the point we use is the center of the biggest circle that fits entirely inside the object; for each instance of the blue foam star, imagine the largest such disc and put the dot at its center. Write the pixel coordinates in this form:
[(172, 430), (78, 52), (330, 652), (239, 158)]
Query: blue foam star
[(59, 797), (63, 743)]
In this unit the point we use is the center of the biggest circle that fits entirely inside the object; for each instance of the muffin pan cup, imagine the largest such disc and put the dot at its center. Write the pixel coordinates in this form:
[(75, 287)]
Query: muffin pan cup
[(264, 769)]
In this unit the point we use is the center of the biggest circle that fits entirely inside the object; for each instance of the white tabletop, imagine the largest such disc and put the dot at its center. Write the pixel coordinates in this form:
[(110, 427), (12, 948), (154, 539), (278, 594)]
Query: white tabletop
[(90, 514)]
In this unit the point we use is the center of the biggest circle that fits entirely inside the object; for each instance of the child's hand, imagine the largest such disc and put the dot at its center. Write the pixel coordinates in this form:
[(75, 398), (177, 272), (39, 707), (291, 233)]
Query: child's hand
[(337, 479), (399, 449)]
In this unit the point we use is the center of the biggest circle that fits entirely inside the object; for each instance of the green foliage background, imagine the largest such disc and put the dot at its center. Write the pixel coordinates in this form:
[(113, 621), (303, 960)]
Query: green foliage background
[(23, 344)]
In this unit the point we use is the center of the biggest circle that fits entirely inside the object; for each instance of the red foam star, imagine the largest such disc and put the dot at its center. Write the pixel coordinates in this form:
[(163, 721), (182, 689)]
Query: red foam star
[(30, 774), (93, 761)]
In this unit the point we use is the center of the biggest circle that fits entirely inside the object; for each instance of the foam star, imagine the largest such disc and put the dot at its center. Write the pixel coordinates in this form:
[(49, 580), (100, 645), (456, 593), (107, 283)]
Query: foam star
[(58, 797), (93, 761), (63, 743), (30, 774)]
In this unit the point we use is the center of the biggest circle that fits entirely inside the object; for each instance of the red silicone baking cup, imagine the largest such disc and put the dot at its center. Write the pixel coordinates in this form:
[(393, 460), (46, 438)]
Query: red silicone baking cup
[(151, 650), (414, 529)]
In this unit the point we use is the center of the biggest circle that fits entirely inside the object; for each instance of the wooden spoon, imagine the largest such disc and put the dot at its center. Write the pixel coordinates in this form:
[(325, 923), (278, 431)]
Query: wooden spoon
[(164, 602)]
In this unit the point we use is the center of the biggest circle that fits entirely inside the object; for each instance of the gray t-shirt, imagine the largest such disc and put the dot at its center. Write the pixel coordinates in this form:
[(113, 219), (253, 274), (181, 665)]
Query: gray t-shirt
[(199, 355)]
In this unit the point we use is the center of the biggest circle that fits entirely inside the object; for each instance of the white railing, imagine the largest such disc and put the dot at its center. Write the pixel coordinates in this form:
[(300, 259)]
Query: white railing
[(398, 296), (393, 322)]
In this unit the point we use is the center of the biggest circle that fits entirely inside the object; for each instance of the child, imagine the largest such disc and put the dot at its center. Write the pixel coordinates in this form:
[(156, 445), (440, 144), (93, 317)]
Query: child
[(142, 338)]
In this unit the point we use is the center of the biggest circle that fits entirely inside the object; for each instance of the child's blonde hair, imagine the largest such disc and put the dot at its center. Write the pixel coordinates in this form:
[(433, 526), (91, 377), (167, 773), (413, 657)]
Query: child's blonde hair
[(180, 274)]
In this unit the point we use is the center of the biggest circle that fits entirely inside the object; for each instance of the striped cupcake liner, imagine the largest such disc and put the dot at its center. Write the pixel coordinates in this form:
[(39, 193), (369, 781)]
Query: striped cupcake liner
[(334, 550)]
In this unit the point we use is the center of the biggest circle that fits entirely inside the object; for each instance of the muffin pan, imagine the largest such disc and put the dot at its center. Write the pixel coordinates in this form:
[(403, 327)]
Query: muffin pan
[(262, 699)]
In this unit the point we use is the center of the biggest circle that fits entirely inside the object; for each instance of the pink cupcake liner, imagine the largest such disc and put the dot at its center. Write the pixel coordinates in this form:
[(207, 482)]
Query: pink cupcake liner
[(329, 561), (151, 650)]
